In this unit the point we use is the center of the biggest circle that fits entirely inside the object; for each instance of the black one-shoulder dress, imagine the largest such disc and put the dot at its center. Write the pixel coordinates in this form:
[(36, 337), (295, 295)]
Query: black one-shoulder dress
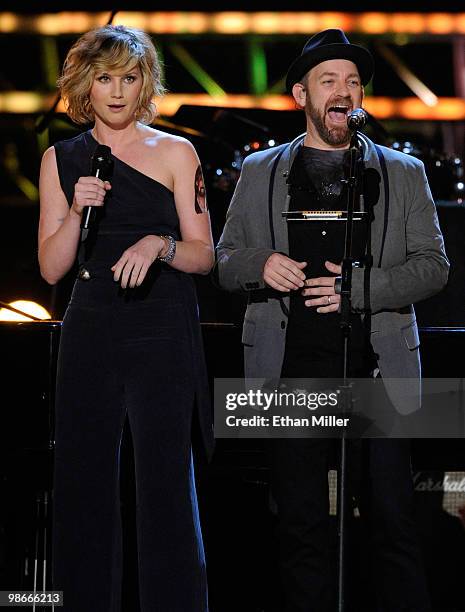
[(135, 352)]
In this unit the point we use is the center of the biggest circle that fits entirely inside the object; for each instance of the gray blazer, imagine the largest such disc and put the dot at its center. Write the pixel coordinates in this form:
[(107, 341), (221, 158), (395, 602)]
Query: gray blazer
[(409, 262)]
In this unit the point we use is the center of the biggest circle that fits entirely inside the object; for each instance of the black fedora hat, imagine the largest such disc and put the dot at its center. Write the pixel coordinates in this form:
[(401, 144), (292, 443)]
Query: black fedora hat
[(327, 45)]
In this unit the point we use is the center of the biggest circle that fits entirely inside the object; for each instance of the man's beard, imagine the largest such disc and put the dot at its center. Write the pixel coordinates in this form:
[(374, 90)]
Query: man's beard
[(335, 136)]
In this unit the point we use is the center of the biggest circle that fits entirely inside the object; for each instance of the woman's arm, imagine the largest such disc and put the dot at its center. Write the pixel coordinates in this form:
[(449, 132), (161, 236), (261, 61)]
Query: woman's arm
[(59, 224), (195, 252)]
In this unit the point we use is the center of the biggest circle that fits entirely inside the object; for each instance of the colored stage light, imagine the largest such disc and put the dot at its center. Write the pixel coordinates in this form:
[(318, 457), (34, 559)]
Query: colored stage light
[(30, 308)]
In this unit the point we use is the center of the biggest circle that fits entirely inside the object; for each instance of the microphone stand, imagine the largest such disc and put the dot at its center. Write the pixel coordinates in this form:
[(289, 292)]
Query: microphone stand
[(352, 182)]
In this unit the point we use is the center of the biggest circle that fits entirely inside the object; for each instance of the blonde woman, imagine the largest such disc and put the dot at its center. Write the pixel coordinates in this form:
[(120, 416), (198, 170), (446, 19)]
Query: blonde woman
[(130, 341)]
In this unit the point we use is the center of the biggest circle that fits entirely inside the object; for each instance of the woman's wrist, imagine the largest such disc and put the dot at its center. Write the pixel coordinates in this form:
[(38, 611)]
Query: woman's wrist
[(74, 214), (165, 246), (167, 254)]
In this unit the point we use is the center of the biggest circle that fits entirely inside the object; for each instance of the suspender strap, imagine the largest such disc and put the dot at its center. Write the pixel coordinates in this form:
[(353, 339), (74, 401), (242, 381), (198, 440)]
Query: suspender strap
[(270, 217), (382, 162), (367, 275), (270, 198)]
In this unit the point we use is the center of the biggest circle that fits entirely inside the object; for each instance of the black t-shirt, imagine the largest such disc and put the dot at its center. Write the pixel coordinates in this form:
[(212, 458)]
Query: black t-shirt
[(323, 174), (314, 340)]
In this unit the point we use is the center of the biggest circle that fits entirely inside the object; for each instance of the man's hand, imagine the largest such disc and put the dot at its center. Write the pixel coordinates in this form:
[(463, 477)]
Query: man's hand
[(283, 273), (322, 290)]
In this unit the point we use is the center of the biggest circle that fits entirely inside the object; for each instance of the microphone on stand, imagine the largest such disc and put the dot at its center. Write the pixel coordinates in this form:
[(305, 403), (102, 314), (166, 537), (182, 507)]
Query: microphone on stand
[(356, 119), (101, 167)]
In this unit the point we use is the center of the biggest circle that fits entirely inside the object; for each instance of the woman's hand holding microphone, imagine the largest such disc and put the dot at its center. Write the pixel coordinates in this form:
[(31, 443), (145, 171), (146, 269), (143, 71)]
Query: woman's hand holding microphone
[(88, 191)]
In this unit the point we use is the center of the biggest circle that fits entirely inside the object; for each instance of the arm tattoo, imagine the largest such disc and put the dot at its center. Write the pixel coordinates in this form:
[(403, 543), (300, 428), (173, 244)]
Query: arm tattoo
[(200, 193)]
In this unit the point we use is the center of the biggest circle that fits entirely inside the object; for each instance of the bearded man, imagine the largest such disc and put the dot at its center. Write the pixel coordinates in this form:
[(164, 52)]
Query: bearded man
[(292, 323)]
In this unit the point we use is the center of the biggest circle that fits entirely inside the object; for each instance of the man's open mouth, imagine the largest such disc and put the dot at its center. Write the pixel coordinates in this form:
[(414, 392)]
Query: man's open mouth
[(338, 113)]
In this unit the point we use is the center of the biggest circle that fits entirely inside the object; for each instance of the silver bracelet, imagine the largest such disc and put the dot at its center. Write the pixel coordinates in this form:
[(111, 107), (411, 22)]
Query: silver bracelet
[(171, 252)]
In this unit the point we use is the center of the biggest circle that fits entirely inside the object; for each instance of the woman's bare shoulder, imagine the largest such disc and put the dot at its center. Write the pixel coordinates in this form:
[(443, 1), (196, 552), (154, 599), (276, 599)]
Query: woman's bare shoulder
[(49, 156), (169, 143), (48, 166)]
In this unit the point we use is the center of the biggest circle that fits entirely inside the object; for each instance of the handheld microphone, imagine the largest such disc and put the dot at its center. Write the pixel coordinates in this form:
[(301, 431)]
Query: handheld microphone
[(356, 119), (101, 167)]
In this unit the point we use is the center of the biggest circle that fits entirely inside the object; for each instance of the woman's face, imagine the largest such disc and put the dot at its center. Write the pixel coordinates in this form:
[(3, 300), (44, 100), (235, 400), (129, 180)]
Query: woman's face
[(115, 94)]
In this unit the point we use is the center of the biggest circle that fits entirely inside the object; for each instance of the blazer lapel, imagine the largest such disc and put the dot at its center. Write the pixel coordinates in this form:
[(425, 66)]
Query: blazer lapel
[(371, 160)]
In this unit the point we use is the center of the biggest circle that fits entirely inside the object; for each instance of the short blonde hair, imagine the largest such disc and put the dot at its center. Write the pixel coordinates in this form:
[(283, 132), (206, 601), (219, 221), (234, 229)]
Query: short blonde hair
[(109, 48)]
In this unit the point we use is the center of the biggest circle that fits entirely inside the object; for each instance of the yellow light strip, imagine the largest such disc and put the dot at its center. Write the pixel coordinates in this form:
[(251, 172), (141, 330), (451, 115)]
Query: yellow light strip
[(23, 102), (410, 79), (446, 109), (238, 23)]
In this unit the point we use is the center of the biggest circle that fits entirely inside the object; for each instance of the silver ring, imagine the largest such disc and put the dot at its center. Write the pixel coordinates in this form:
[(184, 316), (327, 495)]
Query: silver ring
[(329, 299)]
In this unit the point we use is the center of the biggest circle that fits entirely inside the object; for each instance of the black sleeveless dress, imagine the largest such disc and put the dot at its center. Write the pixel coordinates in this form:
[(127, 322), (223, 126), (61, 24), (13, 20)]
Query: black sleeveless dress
[(135, 352)]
